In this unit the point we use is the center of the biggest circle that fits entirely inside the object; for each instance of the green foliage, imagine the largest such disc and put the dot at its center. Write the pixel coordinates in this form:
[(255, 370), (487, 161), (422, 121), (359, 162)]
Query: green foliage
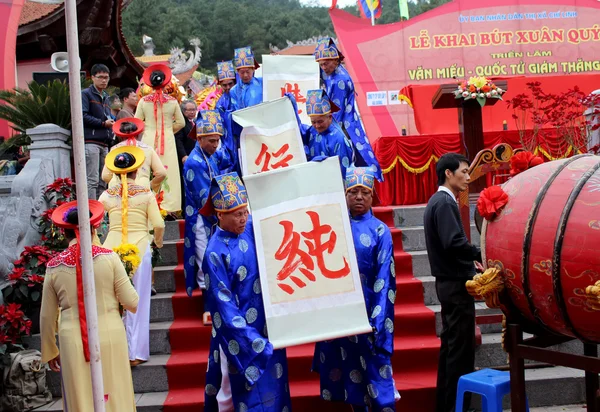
[(28, 108), (224, 25)]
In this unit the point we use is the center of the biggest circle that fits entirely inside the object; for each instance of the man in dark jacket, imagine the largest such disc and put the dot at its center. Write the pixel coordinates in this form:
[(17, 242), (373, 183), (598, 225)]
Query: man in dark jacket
[(183, 142), (451, 258), (97, 128)]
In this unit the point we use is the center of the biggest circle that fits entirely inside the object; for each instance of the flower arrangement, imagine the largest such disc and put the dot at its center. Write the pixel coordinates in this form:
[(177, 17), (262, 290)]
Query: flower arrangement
[(480, 88), (57, 193), (160, 196), (522, 161), (130, 257), (491, 201), (13, 326)]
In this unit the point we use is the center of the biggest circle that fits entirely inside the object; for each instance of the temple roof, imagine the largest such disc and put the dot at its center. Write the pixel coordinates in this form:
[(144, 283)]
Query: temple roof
[(33, 11), (301, 48)]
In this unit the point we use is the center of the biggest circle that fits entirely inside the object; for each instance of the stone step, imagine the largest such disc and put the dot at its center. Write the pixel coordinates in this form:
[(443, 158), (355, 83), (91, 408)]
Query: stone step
[(172, 231), (420, 263), (144, 402), (168, 253), (480, 309), (406, 216), (413, 238), (164, 278)]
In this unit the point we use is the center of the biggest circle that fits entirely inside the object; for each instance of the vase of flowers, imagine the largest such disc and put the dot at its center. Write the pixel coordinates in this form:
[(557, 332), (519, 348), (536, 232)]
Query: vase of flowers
[(130, 257), (478, 88)]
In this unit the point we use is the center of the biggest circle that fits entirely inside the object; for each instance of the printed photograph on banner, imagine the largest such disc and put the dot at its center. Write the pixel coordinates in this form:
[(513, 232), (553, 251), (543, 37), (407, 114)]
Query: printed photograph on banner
[(264, 153), (306, 254), (394, 98)]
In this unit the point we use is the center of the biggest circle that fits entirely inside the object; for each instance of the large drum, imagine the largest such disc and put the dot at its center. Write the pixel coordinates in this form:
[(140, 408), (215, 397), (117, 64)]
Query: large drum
[(546, 241)]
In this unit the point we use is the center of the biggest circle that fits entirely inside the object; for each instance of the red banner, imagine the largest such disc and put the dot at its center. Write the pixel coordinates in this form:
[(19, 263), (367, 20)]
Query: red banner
[(495, 38)]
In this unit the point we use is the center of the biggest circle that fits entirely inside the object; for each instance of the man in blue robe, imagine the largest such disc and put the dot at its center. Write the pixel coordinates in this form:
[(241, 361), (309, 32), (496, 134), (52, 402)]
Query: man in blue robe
[(340, 89), (358, 369), (227, 79), (325, 137), (249, 90), (245, 373), (204, 162)]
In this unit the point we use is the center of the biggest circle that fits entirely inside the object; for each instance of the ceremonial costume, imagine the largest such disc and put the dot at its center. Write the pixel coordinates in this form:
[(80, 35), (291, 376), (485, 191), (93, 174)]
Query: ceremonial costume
[(130, 211), (63, 293), (340, 89), (199, 169), (246, 94), (152, 163), (255, 374), (162, 117), (357, 369), (225, 71), (331, 142)]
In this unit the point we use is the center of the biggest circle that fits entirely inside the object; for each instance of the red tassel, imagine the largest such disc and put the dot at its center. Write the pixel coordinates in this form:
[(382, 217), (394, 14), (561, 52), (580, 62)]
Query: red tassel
[(80, 301)]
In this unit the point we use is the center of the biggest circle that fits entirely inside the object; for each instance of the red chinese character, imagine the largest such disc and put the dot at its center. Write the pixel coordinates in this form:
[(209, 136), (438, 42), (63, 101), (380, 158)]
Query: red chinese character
[(295, 90), (264, 157), (295, 258)]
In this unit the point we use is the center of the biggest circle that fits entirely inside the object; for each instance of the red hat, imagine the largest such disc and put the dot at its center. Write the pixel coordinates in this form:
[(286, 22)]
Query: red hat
[(117, 127), (157, 67), (60, 214)]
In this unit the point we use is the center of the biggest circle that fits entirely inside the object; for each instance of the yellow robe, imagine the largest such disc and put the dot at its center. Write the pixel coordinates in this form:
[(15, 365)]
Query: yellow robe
[(152, 163), (60, 293), (142, 211), (173, 122)]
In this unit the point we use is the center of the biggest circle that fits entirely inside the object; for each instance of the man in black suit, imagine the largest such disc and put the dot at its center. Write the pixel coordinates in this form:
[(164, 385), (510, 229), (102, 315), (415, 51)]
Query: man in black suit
[(183, 142), (451, 258)]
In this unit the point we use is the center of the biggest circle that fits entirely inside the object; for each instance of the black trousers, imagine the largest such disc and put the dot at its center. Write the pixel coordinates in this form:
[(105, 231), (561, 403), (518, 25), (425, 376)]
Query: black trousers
[(457, 352)]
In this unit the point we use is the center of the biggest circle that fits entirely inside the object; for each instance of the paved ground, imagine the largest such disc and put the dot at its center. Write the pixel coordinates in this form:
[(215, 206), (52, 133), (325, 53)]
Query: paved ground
[(566, 408)]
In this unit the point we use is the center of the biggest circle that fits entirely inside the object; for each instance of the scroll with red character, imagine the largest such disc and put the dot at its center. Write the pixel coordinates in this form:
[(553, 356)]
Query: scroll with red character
[(296, 75), (270, 137), (309, 275)]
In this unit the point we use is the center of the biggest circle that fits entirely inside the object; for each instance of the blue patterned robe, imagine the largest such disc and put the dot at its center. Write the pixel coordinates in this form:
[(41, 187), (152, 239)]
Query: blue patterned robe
[(358, 369), (332, 142), (224, 103), (198, 171), (340, 89), (258, 373), (245, 95)]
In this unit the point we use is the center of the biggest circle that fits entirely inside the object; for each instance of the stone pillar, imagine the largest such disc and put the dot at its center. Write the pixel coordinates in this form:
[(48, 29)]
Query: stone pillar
[(50, 141)]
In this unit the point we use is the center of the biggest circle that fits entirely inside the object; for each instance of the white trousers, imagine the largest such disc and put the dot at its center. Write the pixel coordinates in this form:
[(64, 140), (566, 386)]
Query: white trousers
[(137, 325), (201, 244), (224, 398)]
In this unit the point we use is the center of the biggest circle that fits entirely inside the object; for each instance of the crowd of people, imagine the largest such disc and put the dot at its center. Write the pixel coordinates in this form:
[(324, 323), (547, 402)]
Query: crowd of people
[(172, 157)]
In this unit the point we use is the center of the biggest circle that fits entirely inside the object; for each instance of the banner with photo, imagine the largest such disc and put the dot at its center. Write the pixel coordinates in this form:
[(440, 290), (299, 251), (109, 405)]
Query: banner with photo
[(308, 270), (290, 74), (270, 137)]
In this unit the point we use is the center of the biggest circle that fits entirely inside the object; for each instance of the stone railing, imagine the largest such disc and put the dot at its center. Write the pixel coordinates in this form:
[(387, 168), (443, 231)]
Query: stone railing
[(50, 158)]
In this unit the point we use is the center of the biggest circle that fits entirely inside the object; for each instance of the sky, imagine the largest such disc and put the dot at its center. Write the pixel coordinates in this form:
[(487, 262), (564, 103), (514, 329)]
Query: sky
[(341, 3)]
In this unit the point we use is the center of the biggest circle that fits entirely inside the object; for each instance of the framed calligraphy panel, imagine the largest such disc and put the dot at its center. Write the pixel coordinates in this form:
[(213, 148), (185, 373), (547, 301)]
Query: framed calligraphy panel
[(270, 137), (308, 270), (290, 74)]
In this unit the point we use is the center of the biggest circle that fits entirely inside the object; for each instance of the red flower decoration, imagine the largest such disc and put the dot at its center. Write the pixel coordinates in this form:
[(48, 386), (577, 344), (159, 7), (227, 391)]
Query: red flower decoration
[(16, 275), (523, 161), (491, 201), (35, 279)]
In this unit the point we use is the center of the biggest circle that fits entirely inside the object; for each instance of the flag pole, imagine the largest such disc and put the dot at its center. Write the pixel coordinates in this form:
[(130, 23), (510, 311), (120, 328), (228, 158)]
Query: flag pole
[(370, 5), (89, 291)]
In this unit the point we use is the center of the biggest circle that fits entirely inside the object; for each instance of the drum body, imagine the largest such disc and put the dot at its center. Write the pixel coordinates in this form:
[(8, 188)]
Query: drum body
[(546, 241)]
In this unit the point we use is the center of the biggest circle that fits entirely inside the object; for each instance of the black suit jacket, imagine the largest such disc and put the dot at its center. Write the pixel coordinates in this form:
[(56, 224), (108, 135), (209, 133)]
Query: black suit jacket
[(448, 249), (184, 144)]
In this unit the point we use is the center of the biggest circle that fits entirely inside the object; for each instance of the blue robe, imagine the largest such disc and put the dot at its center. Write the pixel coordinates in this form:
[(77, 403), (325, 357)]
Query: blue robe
[(258, 373), (224, 103), (340, 89), (358, 369), (332, 142), (246, 95), (198, 171)]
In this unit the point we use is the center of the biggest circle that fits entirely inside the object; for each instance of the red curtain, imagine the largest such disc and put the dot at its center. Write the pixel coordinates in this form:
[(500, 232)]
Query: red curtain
[(409, 162)]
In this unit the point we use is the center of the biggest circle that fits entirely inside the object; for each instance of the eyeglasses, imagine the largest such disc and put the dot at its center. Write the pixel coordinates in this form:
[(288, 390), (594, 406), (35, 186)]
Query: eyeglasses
[(102, 77)]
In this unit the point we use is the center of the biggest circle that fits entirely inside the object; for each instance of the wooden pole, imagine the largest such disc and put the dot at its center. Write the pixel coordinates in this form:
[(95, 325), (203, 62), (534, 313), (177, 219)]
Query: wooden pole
[(89, 289)]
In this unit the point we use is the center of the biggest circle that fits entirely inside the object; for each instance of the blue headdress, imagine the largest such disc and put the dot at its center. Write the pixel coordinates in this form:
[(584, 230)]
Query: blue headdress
[(209, 122), (359, 176), (244, 57), (225, 71), (318, 103), (326, 50), (228, 193)]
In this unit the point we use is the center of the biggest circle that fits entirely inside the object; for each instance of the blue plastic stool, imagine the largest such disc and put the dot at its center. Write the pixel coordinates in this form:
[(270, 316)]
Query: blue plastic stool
[(491, 384)]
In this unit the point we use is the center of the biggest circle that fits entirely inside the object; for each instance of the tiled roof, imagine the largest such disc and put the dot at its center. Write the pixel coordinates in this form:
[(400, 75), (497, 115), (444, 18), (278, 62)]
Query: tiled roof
[(35, 11), (161, 58), (303, 50)]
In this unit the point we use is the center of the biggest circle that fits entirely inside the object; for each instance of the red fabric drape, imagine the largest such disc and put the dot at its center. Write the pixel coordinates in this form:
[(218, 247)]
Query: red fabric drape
[(409, 162)]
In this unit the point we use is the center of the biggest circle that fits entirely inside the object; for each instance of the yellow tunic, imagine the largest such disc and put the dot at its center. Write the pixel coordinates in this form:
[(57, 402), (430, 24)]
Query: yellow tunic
[(173, 122), (142, 210), (151, 163), (60, 292)]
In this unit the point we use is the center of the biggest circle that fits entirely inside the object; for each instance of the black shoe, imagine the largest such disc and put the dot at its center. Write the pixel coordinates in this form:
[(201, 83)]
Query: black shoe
[(152, 291)]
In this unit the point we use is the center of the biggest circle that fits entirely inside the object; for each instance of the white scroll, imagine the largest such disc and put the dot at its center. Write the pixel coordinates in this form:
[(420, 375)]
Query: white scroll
[(270, 137), (290, 74), (308, 270)]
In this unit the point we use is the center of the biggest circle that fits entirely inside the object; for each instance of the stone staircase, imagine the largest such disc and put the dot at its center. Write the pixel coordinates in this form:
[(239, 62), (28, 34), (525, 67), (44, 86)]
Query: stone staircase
[(545, 386)]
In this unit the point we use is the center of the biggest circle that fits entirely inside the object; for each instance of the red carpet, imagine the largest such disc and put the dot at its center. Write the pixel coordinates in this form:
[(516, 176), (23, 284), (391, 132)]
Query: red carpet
[(414, 361)]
